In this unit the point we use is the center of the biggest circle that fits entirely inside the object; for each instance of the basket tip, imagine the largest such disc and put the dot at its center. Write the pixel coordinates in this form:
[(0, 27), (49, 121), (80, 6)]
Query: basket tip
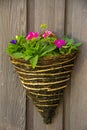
[(48, 115)]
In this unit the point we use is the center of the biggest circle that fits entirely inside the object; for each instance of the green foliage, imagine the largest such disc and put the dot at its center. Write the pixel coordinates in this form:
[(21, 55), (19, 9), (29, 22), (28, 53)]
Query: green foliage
[(35, 48), (69, 47), (31, 50)]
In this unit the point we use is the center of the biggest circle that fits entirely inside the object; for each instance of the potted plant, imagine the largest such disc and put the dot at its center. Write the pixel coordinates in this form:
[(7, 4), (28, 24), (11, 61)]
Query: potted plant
[(44, 65)]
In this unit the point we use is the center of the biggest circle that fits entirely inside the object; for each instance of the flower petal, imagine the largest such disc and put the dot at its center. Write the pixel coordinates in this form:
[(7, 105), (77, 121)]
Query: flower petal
[(13, 41), (32, 35), (59, 43), (46, 33)]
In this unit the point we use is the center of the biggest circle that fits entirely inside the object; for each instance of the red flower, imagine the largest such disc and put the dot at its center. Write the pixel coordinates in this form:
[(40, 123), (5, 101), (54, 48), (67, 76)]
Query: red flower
[(59, 43), (31, 35), (46, 33)]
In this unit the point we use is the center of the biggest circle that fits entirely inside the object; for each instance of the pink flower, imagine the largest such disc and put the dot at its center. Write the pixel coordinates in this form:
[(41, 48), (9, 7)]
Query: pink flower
[(59, 43), (31, 35), (46, 33)]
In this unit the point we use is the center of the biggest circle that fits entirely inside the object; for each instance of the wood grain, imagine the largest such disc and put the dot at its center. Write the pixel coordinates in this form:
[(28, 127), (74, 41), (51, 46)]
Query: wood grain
[(76, 99), (12, 96), (50, 12)]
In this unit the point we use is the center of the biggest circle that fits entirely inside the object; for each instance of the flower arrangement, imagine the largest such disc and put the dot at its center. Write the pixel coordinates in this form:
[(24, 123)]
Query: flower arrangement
[(44, 65), (34, 46)]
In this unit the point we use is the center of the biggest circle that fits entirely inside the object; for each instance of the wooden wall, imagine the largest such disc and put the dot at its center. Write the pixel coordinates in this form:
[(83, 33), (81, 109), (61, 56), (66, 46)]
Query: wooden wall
[(76, 99), (12, 96), (62, 17)]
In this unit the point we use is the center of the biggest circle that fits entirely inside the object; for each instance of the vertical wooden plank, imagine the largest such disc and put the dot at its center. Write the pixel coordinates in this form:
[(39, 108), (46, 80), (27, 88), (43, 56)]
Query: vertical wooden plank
[(30, 27), (77, 28), (30, 15), (12, 95), (50, 12)]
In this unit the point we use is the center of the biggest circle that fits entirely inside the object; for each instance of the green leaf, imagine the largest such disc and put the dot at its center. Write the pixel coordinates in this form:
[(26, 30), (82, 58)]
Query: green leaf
[(68, 40), (49, 48), (33, 61), (61, 51), (27, 57), (77, 44), (42, 48), (17, 55), (65, 47), (37, 46), (69, 51)]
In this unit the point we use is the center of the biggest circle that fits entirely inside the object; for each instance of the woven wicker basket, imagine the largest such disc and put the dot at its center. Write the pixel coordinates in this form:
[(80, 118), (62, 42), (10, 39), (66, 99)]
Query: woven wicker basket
[(45, 84)]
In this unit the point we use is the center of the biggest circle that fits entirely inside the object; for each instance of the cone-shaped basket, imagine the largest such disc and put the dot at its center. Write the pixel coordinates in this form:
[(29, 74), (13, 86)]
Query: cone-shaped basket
[(45, 84)]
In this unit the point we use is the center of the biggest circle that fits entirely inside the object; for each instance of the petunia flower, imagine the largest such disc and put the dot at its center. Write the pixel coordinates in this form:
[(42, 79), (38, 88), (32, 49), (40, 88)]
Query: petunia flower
[(46, 33), (59, 43), (13, 41), (32, 35)]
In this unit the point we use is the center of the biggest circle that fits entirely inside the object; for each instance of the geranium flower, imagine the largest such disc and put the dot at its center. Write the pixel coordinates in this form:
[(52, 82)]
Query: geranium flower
[(59, 43), (32, 35), (13, 41), (46, 33)]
